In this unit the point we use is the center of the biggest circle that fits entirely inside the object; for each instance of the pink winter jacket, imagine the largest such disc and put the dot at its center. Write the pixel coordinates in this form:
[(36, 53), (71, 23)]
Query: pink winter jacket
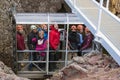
[(42, 46)]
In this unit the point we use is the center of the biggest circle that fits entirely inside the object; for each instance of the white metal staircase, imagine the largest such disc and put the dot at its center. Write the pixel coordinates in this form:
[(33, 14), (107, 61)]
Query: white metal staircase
[(103, 24)]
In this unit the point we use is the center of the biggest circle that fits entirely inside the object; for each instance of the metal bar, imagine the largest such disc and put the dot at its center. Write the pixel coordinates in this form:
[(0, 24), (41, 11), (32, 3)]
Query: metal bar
[(47, 63), (37, 61), (37, 67), (67, 40), (74, 3), (108, 12), (40, 18), (100, 15), (107, 5), (31, 72), (47, 51), (117, 19)]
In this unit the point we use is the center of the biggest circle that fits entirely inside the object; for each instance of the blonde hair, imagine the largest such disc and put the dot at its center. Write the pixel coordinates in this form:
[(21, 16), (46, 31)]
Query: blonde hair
[(41, 33)]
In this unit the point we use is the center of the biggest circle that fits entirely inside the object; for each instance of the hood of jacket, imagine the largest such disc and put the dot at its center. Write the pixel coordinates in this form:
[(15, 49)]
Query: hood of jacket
[(53, 28)]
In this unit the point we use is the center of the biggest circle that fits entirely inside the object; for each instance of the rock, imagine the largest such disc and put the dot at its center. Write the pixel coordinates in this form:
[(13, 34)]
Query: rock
[(92, 66), (94, 59), (7, 74), (4, 76), (79, 59)]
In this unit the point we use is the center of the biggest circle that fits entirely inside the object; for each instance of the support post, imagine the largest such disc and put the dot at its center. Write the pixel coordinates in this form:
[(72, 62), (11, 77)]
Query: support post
[(47, 62), (97, 35), (107, 5), (66, 55)]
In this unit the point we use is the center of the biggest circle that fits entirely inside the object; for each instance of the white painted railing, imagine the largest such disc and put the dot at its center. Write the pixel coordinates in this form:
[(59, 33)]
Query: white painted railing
[(103, 24)]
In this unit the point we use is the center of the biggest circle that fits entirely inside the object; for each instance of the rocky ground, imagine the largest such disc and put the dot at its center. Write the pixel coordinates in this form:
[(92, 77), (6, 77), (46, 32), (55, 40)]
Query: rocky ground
[(93, 66), (7, 74)]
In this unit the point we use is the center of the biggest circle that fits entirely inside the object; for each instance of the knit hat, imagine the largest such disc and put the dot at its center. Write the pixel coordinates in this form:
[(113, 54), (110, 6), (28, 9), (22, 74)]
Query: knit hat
[(33, 27)]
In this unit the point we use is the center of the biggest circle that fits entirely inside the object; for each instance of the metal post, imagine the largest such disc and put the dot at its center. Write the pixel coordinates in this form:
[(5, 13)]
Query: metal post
[(74, 3), (47, 63), (66, 55), (100, 15), (107, 5)]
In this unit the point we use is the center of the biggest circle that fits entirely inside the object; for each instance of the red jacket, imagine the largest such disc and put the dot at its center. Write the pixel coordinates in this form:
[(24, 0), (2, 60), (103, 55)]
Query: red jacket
[(20, 42), (54, 38)]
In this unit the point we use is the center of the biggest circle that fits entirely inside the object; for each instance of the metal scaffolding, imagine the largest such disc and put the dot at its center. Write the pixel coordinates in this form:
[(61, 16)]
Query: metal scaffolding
[(65, 19)]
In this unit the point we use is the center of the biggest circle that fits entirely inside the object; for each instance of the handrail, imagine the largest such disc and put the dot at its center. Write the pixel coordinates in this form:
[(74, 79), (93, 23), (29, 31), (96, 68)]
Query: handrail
[(107, 11), (49, 51), (106, 39)]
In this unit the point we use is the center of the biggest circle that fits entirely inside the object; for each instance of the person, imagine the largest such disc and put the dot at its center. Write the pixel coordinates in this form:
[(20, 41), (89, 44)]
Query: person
[(73, 41), (81, 33), (41, 46), (54, 45), (45, 29), (73, 38), (54, 37), (31, 43), (87, 43), (20, 42)]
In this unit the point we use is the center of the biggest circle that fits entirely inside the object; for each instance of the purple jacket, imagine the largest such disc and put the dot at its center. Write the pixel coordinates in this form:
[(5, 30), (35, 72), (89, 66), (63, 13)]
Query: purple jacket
[(87, 43), (41, 47)]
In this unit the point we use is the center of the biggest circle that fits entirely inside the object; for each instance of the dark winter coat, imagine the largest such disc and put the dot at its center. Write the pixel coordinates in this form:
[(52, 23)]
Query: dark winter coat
[(87, 43), (32, 41), (74, 40), (20, 42)]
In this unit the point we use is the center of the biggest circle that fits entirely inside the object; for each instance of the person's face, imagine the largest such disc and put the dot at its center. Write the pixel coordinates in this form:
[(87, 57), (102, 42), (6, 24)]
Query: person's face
[(43, 25), (19, 27), (87, 30), (41, 34), (73, 28), (35, 30), (45, 28), (56, 26), (80, 28)]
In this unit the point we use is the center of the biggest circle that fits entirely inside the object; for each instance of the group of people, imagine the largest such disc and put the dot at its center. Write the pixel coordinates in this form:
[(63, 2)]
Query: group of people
[(37, 40), (79, 38)]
